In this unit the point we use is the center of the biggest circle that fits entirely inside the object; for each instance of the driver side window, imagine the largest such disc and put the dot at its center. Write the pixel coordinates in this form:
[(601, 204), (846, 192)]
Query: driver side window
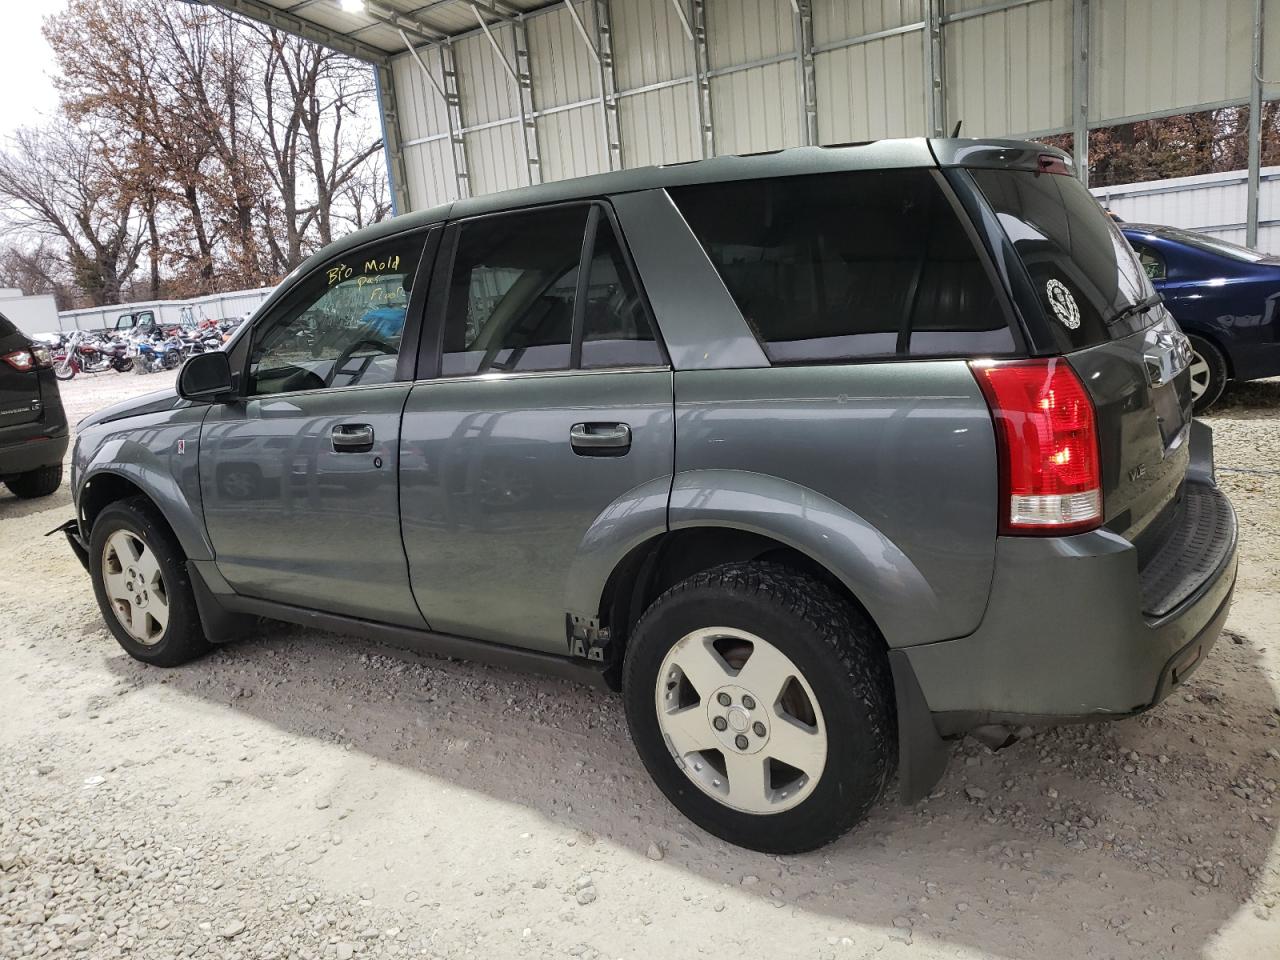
[(341, 325)]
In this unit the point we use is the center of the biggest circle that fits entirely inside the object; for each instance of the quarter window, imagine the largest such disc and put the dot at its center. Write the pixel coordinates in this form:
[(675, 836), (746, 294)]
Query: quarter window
[(1152, 263), (342, 325), (838, 266), (615, 325)]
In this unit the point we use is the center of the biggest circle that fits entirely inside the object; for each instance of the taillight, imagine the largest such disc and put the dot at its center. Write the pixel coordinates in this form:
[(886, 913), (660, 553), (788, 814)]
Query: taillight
[(21, 360), (1047, 438), (41, 355)]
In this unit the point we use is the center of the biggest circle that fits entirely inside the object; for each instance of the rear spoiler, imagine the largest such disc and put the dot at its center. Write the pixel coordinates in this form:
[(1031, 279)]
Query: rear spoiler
[(1002, 155)]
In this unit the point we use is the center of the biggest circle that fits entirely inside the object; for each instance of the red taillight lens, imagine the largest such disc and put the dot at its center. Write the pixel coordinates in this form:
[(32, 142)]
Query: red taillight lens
[(1047, 435), (20, 360)]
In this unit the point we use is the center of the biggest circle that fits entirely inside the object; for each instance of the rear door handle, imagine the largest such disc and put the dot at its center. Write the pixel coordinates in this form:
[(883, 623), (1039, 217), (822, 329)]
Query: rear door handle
[(600, 439), (352, 438)]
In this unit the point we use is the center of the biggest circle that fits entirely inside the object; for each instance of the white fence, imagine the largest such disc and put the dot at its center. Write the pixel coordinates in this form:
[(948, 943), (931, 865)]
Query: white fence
[(215, 306), (1213, 203)]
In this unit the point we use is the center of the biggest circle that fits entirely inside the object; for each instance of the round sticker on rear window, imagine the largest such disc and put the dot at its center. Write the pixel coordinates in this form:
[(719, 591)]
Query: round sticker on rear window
[(1064, 304)]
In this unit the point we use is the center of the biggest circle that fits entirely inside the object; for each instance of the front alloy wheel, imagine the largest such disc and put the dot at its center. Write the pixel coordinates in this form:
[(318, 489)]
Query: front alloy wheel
[(135, 586), (142, 585)]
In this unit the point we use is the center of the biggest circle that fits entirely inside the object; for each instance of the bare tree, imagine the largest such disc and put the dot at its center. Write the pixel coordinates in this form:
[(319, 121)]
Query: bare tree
[(56, 185)]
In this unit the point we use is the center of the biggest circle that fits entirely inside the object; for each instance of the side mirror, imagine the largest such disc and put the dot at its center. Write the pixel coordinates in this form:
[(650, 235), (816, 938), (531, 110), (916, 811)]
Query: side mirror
[(205, 377)]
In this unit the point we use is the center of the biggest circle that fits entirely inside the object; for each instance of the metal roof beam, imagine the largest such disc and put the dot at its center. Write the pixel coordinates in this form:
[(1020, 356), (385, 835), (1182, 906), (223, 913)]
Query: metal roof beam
[(298, 27)]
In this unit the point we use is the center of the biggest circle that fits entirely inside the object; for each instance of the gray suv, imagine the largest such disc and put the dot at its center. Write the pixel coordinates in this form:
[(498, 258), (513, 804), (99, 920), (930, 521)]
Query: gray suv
[(822, 458)]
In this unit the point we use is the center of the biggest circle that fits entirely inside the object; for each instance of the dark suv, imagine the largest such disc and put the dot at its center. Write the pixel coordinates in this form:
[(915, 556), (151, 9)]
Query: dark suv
[(822, 458), (33, 428)]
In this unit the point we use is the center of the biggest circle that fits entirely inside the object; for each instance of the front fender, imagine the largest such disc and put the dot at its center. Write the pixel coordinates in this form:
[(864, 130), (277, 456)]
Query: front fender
[(880, 575), (147, 452)]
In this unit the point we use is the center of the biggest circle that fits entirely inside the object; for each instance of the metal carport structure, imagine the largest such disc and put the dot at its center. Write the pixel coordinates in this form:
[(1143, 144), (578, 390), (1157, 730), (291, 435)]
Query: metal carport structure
[(485, 95)]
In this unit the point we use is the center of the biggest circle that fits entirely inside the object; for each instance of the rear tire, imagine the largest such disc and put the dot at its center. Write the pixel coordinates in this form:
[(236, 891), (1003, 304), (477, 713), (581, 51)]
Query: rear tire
[(1208, 374), (36, 483), (140, 578), (826, 705)]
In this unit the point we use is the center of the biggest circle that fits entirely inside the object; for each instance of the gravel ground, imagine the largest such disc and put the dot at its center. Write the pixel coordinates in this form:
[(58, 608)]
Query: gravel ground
[(302, 795)]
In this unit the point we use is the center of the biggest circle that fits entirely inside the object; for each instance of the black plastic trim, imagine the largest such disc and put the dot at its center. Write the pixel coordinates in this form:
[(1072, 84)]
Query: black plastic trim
[(423, 641)]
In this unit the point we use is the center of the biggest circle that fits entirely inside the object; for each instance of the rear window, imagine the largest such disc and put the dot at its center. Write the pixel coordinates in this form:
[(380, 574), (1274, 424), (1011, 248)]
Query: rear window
[(843, 266), (1081, 266)]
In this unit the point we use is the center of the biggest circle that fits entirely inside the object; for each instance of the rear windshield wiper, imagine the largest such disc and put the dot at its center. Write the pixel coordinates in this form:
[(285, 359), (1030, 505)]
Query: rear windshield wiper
[(1142, 306)]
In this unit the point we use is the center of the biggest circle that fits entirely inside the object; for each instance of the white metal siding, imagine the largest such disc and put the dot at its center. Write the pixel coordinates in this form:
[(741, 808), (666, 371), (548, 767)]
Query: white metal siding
[(649, 44), (660, 126), (744, 31), (1009, 71), (836, 20), (1151, 56), (488, 93), (871, 90), (495, 159), (563, 70), (1213, 203), (755, 110), (571, 143)]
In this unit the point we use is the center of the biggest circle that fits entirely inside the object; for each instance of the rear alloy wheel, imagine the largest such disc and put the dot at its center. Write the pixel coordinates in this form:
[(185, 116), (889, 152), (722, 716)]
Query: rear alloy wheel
[(141, 582), (1208, 374), (760, 702), (757, 742), (36, 483)]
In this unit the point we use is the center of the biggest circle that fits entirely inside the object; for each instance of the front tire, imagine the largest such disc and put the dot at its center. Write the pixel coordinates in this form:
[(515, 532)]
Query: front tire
[(140, 579), (1208, 374), (36, 483), (760, 702)]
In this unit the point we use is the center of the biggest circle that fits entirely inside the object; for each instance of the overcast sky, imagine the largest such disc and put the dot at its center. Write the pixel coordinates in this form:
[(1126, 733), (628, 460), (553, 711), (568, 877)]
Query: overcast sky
[(25, 65)]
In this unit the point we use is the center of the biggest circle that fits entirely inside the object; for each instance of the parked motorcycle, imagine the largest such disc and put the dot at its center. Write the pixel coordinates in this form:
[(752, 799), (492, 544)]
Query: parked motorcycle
[(83, 353), (151, 355)]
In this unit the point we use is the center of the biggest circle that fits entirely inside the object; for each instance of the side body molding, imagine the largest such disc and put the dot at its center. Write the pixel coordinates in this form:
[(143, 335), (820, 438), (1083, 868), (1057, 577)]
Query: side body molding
[(878, 573)]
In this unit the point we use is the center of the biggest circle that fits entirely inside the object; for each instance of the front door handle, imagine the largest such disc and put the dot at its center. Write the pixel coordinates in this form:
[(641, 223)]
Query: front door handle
[(352, 438), (600, 439)]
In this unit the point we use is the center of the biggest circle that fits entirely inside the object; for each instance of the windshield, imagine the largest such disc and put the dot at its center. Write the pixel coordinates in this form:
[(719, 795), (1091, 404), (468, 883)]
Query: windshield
[(1210, 244), (1083, 269)]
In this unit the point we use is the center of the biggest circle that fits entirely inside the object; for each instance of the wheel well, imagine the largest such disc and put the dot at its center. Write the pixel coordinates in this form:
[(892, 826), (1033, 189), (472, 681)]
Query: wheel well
[(1214, 342), (652, 568), (101, 490)]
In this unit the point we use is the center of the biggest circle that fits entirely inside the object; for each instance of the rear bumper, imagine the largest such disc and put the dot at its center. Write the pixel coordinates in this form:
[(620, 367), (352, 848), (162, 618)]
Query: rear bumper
[(1064, 637), (23, 456)]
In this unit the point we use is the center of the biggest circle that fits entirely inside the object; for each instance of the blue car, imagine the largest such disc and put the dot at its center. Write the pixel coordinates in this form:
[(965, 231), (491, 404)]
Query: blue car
[(1223, 296)]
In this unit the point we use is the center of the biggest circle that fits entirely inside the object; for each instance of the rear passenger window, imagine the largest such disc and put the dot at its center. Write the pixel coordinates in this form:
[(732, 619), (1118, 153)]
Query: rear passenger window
[(840, 266), (512, 290), (517, 300)]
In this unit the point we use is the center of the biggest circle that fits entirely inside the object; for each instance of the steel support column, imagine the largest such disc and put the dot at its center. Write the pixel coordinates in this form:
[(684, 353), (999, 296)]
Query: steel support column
[(806, 75), (1080, 89), (453, 106), (701, 66), (392, 151), (608, 83), (524, 85), (934, 103), (1255, 131)]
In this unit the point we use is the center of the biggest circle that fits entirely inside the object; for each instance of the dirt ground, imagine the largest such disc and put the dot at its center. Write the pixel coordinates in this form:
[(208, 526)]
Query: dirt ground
[(304, 795)]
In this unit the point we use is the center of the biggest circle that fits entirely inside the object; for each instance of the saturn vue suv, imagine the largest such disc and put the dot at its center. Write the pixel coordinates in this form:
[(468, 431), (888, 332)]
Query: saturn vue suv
[(821, 458)]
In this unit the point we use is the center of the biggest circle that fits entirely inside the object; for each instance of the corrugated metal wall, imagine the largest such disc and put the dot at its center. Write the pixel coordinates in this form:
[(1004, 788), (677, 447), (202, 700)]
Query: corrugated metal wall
[(1005, 68), (1198, 203)]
